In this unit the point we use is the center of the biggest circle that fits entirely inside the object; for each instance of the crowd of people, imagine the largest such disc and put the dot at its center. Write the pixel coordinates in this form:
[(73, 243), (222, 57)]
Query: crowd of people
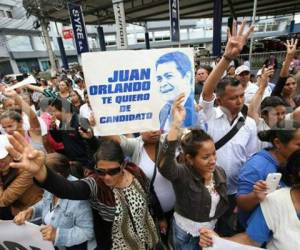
[(173, 188)]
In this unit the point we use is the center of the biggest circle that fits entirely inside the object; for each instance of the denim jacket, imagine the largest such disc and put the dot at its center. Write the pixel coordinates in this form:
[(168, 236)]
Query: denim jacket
[(72, 218)]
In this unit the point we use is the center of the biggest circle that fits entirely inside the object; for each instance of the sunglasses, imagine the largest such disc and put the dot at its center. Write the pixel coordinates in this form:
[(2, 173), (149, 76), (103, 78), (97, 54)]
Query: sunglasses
[(111, 171)]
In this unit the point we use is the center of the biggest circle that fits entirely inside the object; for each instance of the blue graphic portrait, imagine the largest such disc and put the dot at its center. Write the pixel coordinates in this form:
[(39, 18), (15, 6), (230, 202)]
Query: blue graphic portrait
[(174, 75)]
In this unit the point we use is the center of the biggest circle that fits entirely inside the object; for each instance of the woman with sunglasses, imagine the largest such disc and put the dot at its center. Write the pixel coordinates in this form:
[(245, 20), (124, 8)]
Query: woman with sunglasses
[(117, 191)]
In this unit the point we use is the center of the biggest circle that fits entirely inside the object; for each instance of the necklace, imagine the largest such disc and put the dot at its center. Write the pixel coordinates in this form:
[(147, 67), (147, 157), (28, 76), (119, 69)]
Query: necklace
[(211, 186)]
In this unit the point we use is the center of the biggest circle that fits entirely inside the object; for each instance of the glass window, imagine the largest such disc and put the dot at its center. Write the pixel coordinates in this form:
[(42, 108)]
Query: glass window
[(19, 43), (45, 65), (28, 65)]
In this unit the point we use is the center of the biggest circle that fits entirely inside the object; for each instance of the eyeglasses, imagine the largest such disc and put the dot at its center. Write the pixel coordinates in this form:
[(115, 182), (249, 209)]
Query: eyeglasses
[(110, 171)]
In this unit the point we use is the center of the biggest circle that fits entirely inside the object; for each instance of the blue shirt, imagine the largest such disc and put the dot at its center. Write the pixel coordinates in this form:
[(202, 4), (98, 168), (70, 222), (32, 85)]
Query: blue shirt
[(258, 229), (256, 168)]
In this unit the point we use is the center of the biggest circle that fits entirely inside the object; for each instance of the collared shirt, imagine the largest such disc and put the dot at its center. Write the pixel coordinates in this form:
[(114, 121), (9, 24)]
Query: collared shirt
[(238, 149)]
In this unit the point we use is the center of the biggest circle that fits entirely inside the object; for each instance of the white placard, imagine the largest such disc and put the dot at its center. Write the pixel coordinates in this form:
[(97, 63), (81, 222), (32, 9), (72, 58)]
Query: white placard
[(27, 236), (133, 91), (221, 244), (29, 80)]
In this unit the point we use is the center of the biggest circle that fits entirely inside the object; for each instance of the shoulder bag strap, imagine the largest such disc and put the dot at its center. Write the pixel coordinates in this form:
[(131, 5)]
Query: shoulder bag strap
[(226, 138)]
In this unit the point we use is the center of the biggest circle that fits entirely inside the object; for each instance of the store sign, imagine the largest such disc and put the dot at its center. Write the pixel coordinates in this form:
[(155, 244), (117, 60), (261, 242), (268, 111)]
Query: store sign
[(67, 33), (174, 19), (79, 30), (120, 24)]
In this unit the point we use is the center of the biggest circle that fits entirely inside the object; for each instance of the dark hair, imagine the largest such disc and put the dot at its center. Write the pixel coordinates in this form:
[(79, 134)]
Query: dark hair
[(206, 67), (62, 104), (271, 102), (183, 63), (67, 81), (292, 169), (284, 131), (59, 163), (85, 92), (79, 96), (230, 66), (226, 81), (11, 114), (193, 140), (109, 150), (43, 82)]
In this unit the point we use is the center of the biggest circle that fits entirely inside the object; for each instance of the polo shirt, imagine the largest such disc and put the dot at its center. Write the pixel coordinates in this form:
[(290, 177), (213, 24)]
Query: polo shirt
[(255, 169), (235, 152)]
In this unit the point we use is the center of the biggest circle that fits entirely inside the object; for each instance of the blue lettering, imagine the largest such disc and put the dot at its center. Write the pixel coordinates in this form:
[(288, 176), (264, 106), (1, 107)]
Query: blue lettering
[(145, 74), (134, 75), (93, 90)]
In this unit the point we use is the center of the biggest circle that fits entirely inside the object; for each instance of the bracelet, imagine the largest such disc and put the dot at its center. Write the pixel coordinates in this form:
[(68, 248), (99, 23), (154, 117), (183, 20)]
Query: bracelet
[(227, 58)]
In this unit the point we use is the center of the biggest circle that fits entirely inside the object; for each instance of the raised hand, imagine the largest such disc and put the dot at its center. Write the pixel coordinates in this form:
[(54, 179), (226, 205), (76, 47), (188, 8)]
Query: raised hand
[(178, 110), (236, 40), (265, 75), (291, 47), (27, 158)]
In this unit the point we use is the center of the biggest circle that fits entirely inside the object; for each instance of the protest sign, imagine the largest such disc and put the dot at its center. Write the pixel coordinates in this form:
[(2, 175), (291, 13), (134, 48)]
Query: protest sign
[(133, 91), (221, 244), (23, 237), (29, 80)]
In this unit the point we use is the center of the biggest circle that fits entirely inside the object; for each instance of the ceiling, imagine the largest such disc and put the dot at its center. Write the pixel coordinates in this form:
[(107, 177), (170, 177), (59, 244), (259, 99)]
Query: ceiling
[(101, 11)]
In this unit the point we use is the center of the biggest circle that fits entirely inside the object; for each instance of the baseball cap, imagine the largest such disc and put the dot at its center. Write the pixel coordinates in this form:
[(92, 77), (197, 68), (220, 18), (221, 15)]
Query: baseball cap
[(259, 72), (3, 143), (242, 68)]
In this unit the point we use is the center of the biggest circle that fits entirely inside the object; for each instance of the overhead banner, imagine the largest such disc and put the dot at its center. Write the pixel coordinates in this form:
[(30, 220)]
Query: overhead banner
[(133, 91), (79, 30), (23, 237), (174, 20), (119, 12)]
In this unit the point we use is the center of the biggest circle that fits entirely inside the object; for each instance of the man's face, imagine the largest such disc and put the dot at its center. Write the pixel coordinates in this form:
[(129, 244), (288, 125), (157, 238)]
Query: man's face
[(244, 78), (201, 75), (232, 99), (171, 82)]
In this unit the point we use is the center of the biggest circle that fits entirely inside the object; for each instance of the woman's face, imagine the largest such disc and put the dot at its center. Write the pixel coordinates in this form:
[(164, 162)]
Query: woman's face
[(275, 115), (110, 172), (74, 97), (291, 146), (9, 103), (63, 87), (205, 160), (290, 87), (231, 71), (4, 163), (10, 125)]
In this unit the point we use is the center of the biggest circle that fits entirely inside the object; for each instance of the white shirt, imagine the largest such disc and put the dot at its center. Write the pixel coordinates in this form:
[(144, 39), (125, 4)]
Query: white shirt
[(235, 152), (268, 90), (262, 126), (250, 91), (85, 111), (281, 217), (162, 187)]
